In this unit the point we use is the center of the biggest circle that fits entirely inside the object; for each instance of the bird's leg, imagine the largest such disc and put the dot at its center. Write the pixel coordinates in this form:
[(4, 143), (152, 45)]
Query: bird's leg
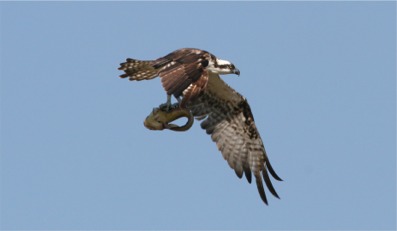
[(166, 106), (177, 105)]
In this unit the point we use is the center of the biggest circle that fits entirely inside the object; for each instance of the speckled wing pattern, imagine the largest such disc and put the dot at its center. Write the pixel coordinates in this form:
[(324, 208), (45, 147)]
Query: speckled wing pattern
[(228, 119), (182, 72), (138, 70)]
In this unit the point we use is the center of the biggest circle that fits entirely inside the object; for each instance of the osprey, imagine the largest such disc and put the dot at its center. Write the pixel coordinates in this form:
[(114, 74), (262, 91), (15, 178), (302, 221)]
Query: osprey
[(192, 77)]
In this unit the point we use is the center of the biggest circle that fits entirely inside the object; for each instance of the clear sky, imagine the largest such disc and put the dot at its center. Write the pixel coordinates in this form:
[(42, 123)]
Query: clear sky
[(320, 79)]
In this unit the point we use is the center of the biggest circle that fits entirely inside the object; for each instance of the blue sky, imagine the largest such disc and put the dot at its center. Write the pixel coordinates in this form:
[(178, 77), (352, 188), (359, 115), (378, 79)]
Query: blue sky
[(319, 76)]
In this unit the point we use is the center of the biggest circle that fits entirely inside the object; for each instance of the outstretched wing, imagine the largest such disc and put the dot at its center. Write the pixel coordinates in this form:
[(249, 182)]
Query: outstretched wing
[(182, 72), (229, 121)]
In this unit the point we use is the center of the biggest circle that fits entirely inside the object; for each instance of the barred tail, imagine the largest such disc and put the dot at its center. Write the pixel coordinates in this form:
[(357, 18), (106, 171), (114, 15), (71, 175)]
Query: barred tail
[(138, 70)]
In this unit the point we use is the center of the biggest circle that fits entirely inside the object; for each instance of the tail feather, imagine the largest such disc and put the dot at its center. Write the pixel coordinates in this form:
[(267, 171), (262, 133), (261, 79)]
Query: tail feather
[(138, 69)]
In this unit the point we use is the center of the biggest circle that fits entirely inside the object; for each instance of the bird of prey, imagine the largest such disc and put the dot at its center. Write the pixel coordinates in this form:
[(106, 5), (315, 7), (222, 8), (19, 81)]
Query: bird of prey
[(192, 77)]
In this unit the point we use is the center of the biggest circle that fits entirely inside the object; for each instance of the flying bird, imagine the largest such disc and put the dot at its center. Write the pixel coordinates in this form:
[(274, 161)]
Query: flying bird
[(192, 77)]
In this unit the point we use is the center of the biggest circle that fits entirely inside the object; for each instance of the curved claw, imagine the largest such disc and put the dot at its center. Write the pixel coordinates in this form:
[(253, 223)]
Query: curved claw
[(160, 119)]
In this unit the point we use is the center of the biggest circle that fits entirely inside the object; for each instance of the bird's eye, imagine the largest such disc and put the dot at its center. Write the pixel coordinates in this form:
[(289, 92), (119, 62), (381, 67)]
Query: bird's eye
[(232, 66), (204, 63)]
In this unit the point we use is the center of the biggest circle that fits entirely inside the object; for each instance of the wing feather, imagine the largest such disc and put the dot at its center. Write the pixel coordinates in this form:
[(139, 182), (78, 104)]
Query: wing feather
[(231, 125), (138, 69), (187, 68), (182, 72), (194, 89), (225, 114)]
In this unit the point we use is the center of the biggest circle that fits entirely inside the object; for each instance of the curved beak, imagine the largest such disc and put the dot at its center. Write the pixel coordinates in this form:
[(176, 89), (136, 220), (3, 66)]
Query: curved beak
[(236, 71)]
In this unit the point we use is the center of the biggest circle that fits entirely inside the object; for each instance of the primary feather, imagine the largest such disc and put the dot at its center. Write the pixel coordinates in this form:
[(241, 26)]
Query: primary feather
[(193, 74)]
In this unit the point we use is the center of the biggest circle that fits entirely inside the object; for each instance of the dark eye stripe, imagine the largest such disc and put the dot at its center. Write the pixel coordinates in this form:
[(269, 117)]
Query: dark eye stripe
[(227, 66)]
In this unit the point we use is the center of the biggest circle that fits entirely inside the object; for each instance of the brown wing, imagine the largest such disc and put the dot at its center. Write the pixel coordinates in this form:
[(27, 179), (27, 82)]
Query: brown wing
[(229, 121), (182, 72), (185, 74), (194, 89), (138, 69)]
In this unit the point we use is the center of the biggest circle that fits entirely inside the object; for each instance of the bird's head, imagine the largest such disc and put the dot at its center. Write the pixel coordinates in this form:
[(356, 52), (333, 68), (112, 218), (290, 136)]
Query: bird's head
[(222, 67)]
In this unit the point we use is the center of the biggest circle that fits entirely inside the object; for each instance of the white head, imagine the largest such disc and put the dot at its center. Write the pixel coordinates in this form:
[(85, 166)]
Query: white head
[(222, 67)]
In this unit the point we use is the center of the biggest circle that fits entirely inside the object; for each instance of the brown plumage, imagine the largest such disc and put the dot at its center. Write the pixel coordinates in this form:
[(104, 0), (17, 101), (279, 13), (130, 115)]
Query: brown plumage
[(193, 74), (229, 121), (177, 70)]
